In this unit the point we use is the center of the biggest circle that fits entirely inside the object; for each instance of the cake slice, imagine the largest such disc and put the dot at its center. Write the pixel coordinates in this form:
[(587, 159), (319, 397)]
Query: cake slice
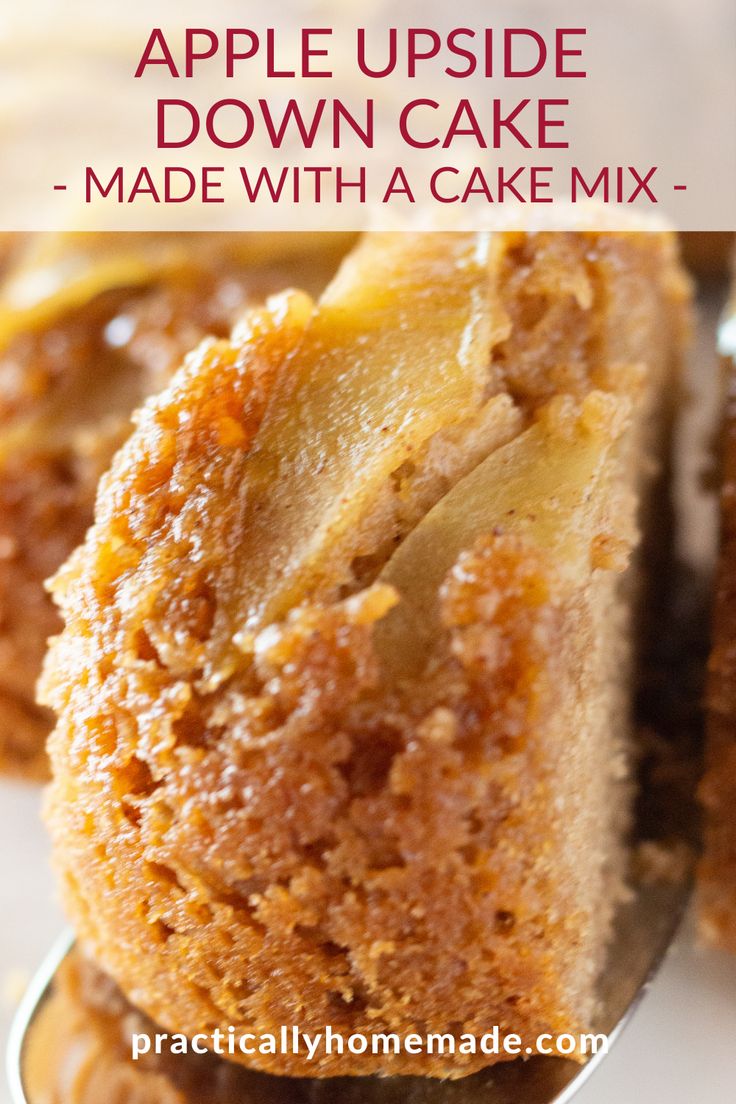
[(717, 880), (90, 324), (344, 689)]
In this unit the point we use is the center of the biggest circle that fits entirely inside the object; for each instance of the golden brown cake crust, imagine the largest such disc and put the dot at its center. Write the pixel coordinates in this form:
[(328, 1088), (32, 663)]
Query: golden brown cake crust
[(68, 385), (718, 790), (290, 836)]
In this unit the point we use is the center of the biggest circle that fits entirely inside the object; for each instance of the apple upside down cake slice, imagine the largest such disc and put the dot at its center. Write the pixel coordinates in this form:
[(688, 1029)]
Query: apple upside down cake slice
[(344, 688)]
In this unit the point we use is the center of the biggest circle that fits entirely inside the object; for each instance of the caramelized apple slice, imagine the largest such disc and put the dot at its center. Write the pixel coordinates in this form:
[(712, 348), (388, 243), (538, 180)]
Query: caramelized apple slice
[(552, 485), (398, 350)]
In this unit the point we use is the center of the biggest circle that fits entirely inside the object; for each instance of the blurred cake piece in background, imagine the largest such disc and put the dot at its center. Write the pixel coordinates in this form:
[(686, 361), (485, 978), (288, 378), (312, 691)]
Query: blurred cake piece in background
[(708, 252), (718, 789)]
